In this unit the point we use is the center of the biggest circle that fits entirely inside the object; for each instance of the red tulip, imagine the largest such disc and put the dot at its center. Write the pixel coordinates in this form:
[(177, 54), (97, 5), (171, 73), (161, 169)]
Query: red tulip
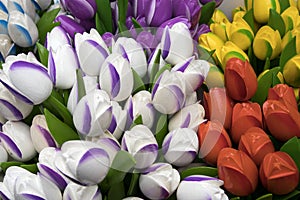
[(256, 144), (218, 106), (238, 171), (283, 93), (240, 79), (212, 138), (283, 120), (279, 173), (244, 116)]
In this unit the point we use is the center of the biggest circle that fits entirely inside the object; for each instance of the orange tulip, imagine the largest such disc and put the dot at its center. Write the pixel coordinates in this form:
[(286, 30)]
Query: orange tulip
[(244, 116), (279, 173), (283, 120), (218, 106), (283, 93), (256, 144), (212, 138), (238, 171), (240, 79)]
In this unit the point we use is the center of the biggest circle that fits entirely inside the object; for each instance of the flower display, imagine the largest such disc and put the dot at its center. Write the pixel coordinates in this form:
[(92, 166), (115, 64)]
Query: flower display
[(149, 99)]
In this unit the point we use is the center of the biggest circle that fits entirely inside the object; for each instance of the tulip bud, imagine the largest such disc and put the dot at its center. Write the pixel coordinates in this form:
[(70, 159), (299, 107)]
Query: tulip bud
[(200, 187), (168, 94), (132, 198), (188, 9), (188, 117), (133, 52), (244, 116), (70, 25), (283, 120), (219, 17), (118, 121), (229, 50), (180, 146), (261, 9), (47, 168), (3, 22), (22, 6), (83, 161), (215, 77), (6, 47), (290, 16), (93, 113), (17, 141), (159, 181), (40, 134), (12, 108), (81, 9), (238, 171), (140, 105), (158, 13), (57, 37), (256, 144), (238, 14), (240, 79), (240, 33), (151, 61), (267, 43), (284, 94), (91, 51), (77, 192), (116, 77), (279, 173), (212, 138), (220, 30), (291, 71), (177, 43), (140, 142), (218, 106), (210, 41), (289, 35)]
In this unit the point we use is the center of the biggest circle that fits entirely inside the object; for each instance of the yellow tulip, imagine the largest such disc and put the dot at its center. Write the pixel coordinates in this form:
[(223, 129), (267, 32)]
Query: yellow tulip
[(215, 77), (289, 36), (220, 30), (219, 16), (227, 51), (238, 14), (210, 41), (290, 16), (248, 4), (291, 71), (261, 9), (267, 43), (240, 33)]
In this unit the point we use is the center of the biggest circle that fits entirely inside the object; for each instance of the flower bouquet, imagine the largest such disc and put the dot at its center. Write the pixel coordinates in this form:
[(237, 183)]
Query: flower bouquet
[(149, 99)]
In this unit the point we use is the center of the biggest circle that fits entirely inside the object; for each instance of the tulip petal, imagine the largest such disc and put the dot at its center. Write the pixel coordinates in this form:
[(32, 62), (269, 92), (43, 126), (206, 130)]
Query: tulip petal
[(31, 197), (53, 175), (16, 113), (186, 122), (179, 95), (167, 44), (115, 80), (123, 52), (11, 144), (112, 125), (200, 178), (149, 148), (24, 33), (47, 136), (166, 143), (87, 119), (153, 168), (52, 67)]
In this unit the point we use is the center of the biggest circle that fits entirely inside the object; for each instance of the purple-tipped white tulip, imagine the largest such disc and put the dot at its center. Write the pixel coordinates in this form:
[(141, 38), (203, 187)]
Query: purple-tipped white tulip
[(84, 162), (118, 121), (180, 146), (91, 51), (132, 198), (3, 154), (188, 117), (12, 108), (41, 4), (48, 169), (22, 29), (133, 52), (140, 142), (81, 9), (90, 84), (116, 77), (93, 113), (168, 93), (62, 65), (159, 181), (22, 6), (151, 61), (15, 137), (40, 134), (191, 99), (27, 80), (6, 47), (140, 104), (194, 70), (177, 43), (57, 37), (201, 187), (78, 192), (3, 22)]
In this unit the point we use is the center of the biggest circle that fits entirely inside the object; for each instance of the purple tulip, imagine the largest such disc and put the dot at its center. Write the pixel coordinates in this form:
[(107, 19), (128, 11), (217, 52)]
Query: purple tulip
[(218, 2), (147, 40), (159, 12), (88, 24), (187, 8), (108, 38), (141, 7), (81, 9), (199, 30), (69, 25)]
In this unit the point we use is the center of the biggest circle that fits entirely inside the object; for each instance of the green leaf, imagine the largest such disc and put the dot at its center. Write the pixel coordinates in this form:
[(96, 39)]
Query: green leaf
[(122, 8), (265, 197), (284, 4), (134, 184), (276, 22), (290, 196), (46, 24), (207, 12), (116, 191), (206, 55), (292, 147), (161, 129), (288, 52), (60, 131), (43, 54), (30, 167), (267, 64), (138, 82), (249, 18), (5, 165), (138, 120), (80, 84), (202, 170), (136, 24), (105, 14), (99, 25), (121, 165), (155, 67)]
